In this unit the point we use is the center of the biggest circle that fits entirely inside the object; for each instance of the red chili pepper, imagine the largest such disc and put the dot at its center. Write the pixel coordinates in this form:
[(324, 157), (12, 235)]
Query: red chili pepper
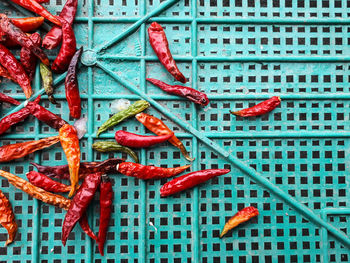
[(7, 218), (72, 87), (84, 224), (54, 37), (259, 109), (46, 183), (28, 24), (35, 7), (148, 172), (190, 180), (80, 203), (106, 200), (160, 45), (28, 59), (16, 70), (5, 74), (182, 91), (67, 50), (139, 141), (42, 1), (8, 99), (241, 216)]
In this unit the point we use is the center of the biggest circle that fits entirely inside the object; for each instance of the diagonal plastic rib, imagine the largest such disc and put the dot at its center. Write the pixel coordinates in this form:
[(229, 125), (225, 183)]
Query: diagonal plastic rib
[(136, 25), (258, 178)]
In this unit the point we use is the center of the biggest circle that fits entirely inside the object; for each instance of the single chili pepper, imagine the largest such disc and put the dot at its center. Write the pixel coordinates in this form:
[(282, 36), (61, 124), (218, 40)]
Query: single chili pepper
[(46, 183), (16, 70), (68, 48), (5, 74), (36, 192), (259, 109), (106, 200), (35, 7), (241, 216), (62, 171), (46, 76), (21, 38), (158, 127), (28, 59), (28, 24), (190, 180), (54, 37), (42, 1), (110, 146), (133, 140), (70, 144), (18, 150), (7, 218), (147, 172), (72, 87), (8, 99), (134, 109), (160, 45), (182, 91), (84, 224), (79, 203)]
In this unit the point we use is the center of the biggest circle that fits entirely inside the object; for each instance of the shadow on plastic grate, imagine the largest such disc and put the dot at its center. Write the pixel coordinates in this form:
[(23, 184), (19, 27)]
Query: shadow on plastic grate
[(245, 51)]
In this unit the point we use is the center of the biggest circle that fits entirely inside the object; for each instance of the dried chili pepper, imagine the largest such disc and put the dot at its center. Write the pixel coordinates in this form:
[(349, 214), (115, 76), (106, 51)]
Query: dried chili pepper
[(259, 109), (72, 87), (62, 171), (18, 150), (133, 140), (5, 74), (106, 200), (80, 203), (182, 91), (8, 99), (160, 45), (158, 127), (46, 76), (28, 24), (21, 38), (35, 7), (134, 109), (110, 146), (147, 172), (70, 144), (28, 59), (7, 218), (46, 183), (241, 216), (42, 1), (16, 70), (190, 180), (36, 192), (54, 37), (84, 224), (67, 50)]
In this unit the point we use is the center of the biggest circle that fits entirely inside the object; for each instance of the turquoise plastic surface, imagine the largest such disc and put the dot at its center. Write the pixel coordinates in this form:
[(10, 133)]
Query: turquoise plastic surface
[(293, 164)]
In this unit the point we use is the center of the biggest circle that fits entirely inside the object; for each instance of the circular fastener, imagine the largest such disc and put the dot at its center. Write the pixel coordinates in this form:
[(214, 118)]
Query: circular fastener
[(89, 57)]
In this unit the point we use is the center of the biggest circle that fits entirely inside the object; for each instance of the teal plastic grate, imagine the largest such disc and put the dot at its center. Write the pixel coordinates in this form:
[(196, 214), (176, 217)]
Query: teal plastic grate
[(292, 164)]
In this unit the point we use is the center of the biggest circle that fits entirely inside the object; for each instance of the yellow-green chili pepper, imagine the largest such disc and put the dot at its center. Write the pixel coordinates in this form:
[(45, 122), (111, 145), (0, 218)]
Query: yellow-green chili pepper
[(110, 146), (46, 76)]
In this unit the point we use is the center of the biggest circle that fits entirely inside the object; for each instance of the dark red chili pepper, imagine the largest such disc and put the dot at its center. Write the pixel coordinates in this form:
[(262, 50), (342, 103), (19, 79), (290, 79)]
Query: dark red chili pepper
[(106, 200), (80, 203), (67, 50), (259, 109), (5, 74), (84, 224), (160, 45), (8, 99), (42, 1), (139, 141), (28, 59), (190, 180), (28, 24), (182, 91), (54, 37), (16, 70), (46, 183), (72, 87)]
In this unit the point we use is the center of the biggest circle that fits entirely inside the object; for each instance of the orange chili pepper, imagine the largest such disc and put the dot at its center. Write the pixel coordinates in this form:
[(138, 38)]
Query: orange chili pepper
[(7, 218), (28, 24)]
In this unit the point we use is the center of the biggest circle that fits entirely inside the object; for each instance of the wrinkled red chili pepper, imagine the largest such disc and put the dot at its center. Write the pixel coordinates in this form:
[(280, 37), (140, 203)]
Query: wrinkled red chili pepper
[(259, 109), (67, 50), (148, 172), (46, 183), (80, 203), (139, 141), (7, 218), (28, 24), (72, 87), (16, 70), (8, 99), (5, 74), (241, 216), (182, 91), (190, 180), (54, 37), (160, 45), (84, 224), (106, 200), (28, 59)]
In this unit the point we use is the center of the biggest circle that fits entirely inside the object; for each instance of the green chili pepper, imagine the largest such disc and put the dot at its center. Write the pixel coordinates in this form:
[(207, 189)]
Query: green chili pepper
[(134, 109), (111, 146), (46, 76)]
